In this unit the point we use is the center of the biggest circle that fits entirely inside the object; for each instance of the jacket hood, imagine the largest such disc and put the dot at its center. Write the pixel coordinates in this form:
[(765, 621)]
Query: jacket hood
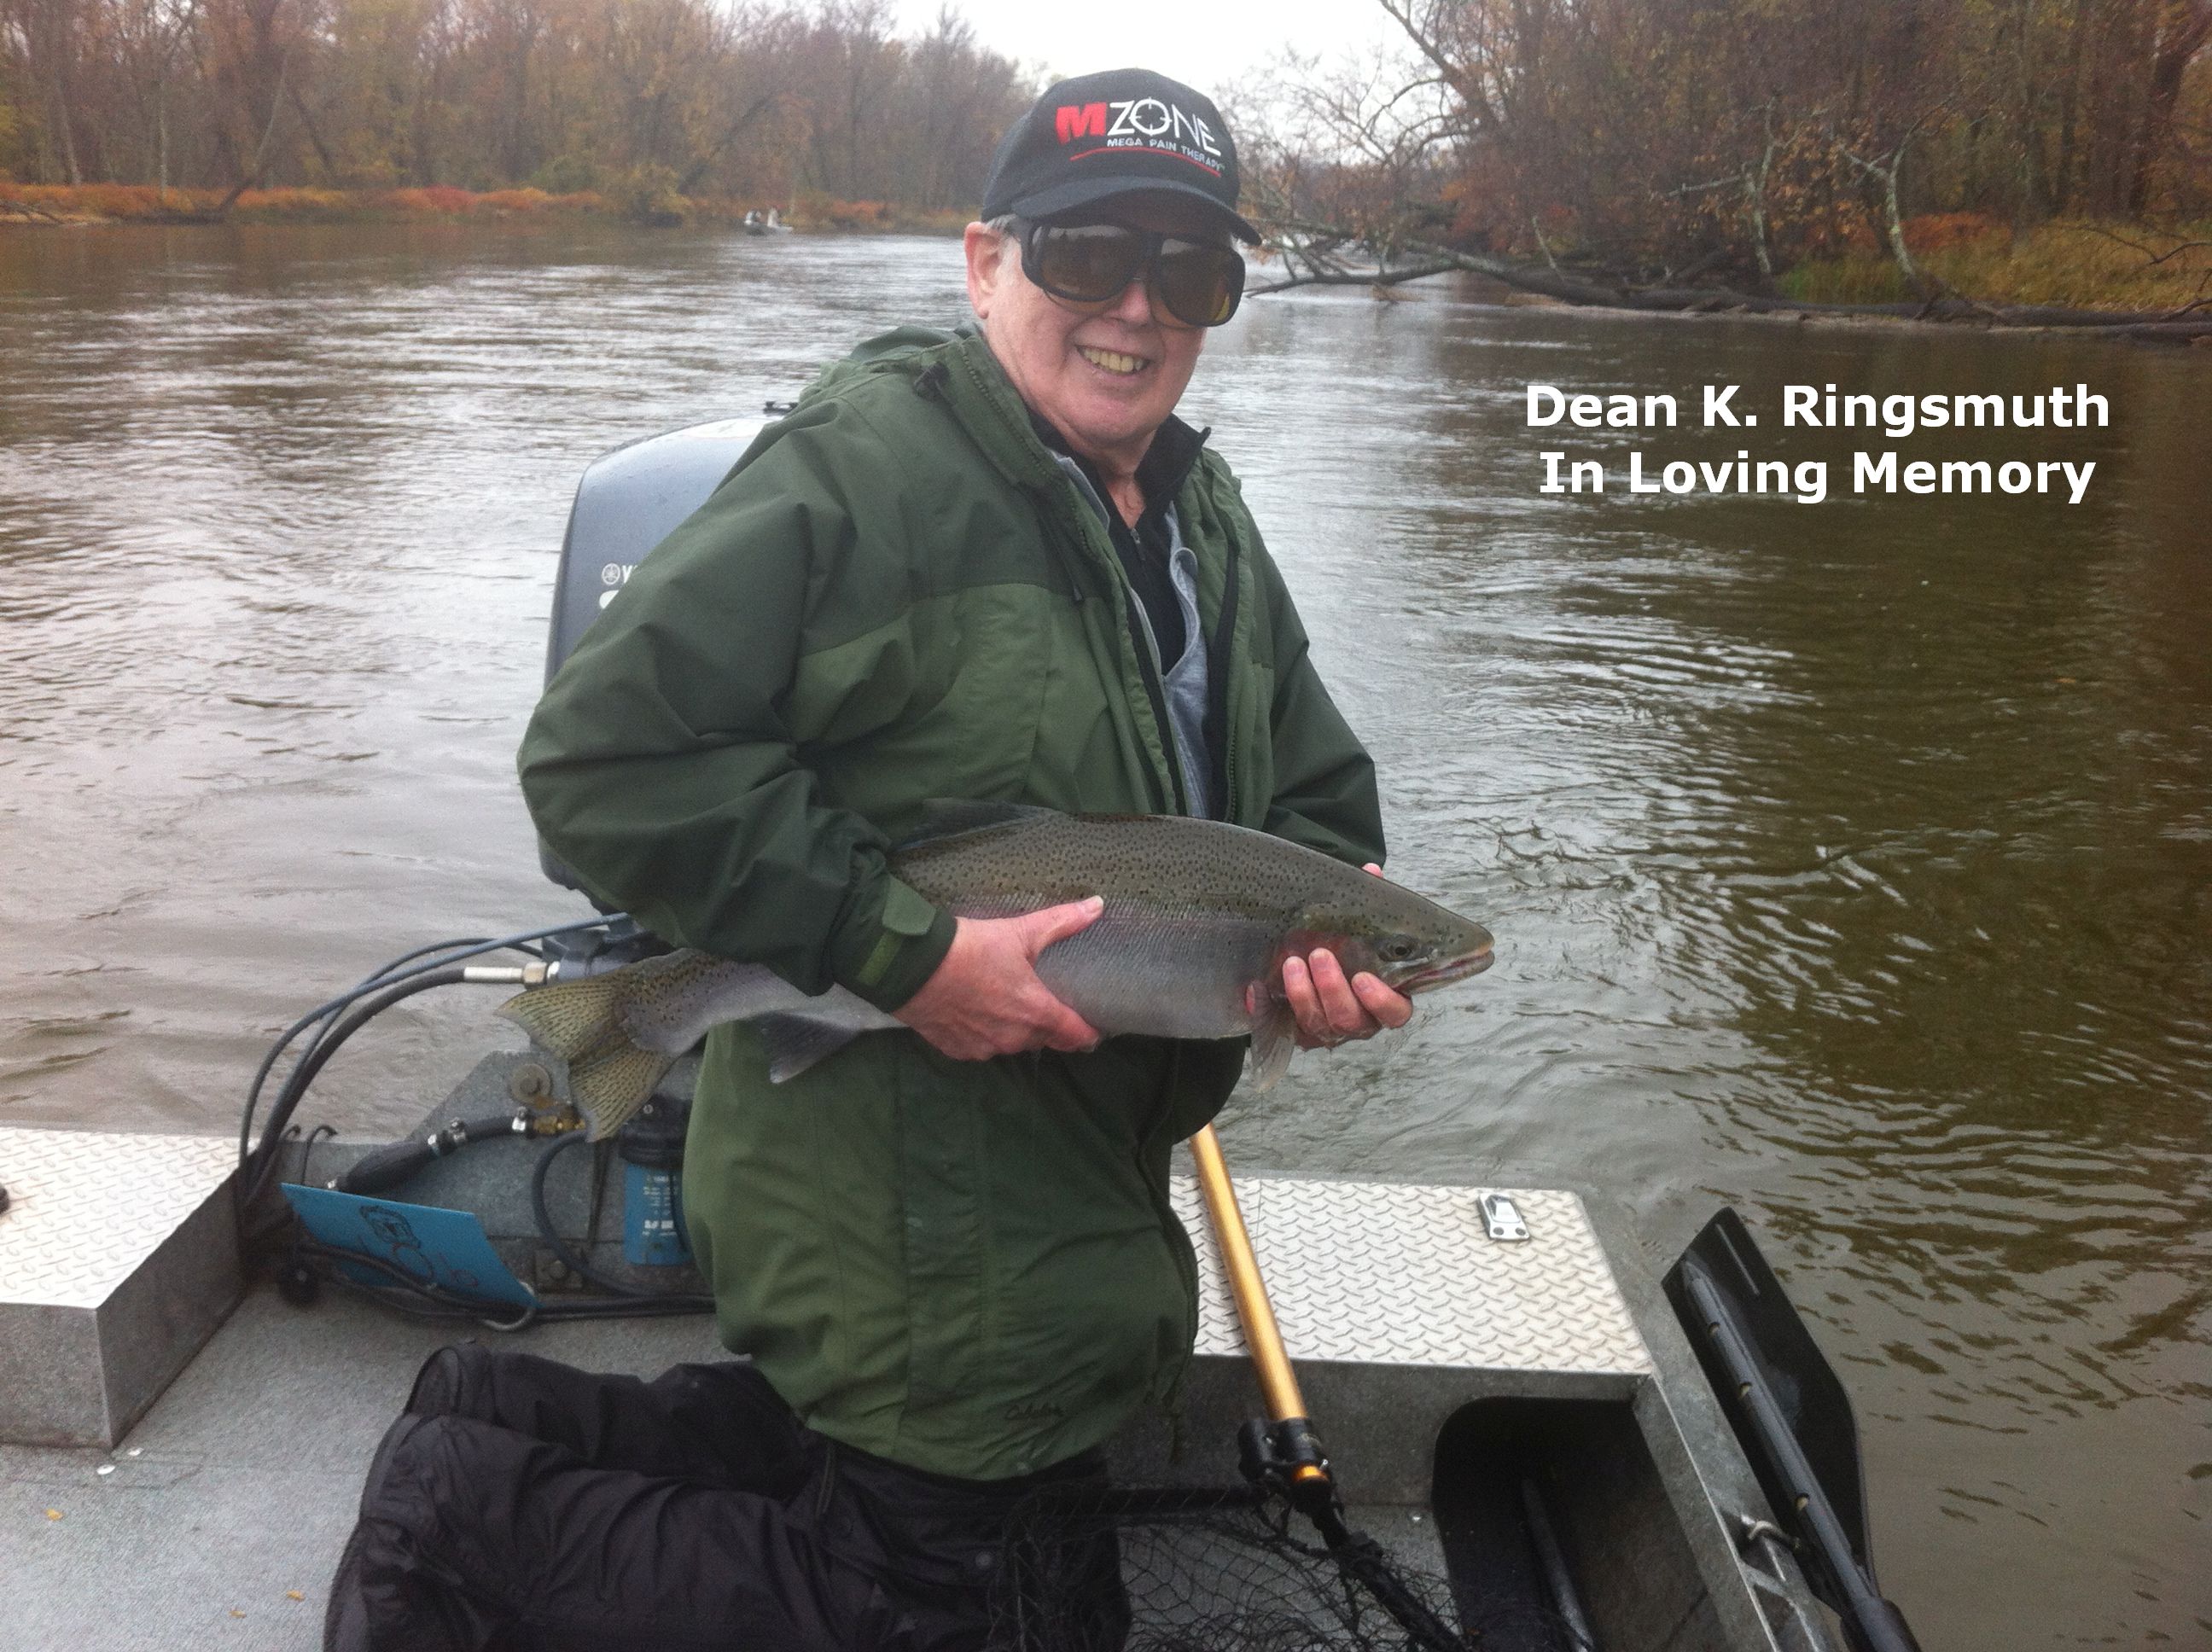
[(898, 350), (907, 341)]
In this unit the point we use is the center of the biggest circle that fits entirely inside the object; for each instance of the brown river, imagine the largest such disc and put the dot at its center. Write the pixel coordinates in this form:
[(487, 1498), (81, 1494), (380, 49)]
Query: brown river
[(1850, 862)]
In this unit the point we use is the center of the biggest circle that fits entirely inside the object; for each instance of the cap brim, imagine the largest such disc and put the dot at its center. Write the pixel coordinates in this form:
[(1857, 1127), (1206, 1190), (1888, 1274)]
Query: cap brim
[(1064, 198)]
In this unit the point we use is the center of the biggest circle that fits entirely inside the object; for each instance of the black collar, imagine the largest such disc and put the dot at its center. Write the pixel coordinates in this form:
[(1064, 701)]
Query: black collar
[(1166, 465)]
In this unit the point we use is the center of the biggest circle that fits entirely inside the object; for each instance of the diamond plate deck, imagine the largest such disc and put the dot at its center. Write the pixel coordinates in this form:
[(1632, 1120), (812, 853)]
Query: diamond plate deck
[(118, 1259), (1403, 1274), (87, 1207)]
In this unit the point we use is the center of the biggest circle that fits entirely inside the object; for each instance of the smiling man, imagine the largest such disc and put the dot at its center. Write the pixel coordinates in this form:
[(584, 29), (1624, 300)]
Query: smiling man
[(991, 566)]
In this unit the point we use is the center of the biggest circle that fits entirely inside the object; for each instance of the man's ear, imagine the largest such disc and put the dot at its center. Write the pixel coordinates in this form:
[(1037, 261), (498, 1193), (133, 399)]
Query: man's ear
[(986, 250)]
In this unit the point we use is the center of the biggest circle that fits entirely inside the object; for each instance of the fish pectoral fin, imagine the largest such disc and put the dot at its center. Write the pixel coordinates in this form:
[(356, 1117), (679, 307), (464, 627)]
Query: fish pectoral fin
[(796, 1042), (1275, 1042)]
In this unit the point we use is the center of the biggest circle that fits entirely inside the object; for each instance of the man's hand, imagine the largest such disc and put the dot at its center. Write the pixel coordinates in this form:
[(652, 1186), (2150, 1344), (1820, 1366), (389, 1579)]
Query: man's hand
[(1332, 1010), (985, 999)]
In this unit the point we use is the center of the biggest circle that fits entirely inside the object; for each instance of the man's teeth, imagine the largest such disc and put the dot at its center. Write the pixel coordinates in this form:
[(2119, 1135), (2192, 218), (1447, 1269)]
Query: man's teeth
[(1112, 361)]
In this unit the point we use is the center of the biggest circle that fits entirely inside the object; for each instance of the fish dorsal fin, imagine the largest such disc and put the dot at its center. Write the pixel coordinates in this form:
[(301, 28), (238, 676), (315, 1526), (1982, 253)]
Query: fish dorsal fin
[(944, 818)]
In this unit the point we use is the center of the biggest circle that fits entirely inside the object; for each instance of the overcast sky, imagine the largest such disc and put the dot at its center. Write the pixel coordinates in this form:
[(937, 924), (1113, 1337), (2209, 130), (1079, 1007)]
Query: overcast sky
[(1202, 45)]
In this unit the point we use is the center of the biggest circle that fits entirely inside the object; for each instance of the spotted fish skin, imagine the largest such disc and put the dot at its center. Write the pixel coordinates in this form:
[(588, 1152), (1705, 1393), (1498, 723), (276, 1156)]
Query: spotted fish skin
[(1198, 918)]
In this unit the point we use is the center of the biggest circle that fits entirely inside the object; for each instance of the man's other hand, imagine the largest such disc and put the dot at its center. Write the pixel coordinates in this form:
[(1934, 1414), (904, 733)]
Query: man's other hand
[(985, 999), (1333, 1011)]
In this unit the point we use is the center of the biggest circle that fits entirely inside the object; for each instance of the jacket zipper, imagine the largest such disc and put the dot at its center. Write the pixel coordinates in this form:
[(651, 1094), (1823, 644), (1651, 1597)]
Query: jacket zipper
[(1148, 667), (1217, 697), (1168, 797)]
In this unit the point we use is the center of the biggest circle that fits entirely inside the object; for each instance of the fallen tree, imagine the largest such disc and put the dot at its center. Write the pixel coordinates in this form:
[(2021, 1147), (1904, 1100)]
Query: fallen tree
[(1315, 256), (1655, 155)]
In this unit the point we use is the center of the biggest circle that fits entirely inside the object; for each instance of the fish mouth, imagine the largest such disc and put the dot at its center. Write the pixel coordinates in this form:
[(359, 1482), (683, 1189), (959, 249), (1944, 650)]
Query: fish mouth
[(1458, 969)]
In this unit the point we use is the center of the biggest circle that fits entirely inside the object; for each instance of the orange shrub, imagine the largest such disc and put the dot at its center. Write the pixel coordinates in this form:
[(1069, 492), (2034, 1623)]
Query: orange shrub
[(121, 202), (514, 200), (1939, 231), (436, 197), (117, 200)]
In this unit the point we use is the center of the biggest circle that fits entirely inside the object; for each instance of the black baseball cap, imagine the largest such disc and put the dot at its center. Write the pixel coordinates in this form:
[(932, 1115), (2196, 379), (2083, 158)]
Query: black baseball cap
[(1126, 132)]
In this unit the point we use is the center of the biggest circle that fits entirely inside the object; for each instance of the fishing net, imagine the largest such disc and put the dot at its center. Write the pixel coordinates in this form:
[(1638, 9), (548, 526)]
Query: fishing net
[(1102, 1570)]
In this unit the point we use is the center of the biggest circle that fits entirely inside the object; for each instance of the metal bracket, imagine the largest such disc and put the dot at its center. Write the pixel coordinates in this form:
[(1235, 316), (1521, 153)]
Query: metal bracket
[(1501, 1218), (1758, 1540)]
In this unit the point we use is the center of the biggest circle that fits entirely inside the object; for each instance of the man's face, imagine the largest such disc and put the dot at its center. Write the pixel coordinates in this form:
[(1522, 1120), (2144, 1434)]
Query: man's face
[(1106, 376)]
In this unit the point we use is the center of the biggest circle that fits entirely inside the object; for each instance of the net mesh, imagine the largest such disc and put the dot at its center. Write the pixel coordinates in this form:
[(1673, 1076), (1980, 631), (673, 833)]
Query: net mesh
[(1094, 1569)]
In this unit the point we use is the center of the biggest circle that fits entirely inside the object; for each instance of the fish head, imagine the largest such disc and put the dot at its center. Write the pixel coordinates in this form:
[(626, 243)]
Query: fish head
[(1408, 941)]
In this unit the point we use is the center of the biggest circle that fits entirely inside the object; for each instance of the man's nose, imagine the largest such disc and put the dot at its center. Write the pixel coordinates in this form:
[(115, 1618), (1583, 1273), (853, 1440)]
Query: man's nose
[(1133, 305)]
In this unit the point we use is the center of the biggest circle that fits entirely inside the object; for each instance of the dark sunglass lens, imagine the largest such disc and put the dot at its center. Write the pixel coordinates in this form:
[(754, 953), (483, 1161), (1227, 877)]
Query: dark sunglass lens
[(1200, 284), (1091, 263)]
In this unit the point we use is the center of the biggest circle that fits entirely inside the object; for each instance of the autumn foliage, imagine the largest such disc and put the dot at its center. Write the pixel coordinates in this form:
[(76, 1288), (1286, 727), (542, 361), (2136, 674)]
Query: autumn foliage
[(1728, 142), (145, 203), (659, 109)]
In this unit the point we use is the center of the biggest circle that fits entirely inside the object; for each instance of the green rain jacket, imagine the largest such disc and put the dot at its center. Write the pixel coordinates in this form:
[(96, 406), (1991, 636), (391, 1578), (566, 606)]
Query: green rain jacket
[(898, 595)]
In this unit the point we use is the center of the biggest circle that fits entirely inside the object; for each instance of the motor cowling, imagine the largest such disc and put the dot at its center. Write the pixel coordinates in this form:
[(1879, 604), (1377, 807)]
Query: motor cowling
[(626, 504)]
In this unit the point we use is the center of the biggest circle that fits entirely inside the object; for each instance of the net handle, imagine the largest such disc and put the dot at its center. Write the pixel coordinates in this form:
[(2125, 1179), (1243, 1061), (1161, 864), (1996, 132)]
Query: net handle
[(1263, 1339), (1311, 1488)]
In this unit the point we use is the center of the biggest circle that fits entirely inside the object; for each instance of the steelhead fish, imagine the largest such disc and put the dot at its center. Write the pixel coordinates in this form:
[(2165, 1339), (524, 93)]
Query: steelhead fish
[(1199, 917)]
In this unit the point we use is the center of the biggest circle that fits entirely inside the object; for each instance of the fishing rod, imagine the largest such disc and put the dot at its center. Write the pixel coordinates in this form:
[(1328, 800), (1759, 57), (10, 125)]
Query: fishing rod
[(1286, 1451)]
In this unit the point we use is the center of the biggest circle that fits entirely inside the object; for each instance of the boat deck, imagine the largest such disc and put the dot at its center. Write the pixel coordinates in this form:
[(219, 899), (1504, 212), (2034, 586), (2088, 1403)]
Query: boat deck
[(218, 1524), (217, 1518), (235, 1492)]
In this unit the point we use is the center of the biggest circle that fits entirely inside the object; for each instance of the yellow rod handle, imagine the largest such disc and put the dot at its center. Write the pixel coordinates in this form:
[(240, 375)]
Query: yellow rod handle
[(1279, 1384)]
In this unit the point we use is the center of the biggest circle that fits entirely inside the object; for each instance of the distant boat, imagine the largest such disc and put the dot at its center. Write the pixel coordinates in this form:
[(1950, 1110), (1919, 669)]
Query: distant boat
[(756, 224)]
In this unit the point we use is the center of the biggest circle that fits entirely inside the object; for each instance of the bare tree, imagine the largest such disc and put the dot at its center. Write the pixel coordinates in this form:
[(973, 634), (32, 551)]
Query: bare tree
[(1675, 153)]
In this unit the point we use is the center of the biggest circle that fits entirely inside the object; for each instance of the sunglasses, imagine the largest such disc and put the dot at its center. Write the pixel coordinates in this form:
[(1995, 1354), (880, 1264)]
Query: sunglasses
[(1197, 283)]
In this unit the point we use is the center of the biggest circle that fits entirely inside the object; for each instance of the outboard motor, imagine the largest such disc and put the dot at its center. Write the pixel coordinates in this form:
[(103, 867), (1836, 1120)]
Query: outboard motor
[(626, 504), (497, 1219)]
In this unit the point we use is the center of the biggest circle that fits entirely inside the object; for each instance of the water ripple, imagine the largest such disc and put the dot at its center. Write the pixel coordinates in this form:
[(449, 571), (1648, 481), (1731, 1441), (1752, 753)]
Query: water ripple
[(1852, 864)]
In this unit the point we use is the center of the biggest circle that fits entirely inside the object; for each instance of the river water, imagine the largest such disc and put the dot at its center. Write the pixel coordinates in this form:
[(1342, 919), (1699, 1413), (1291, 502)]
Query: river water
[(1850, 862)]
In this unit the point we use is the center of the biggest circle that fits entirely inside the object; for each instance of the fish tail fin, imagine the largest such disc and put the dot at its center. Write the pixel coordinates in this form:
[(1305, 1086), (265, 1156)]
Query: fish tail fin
[(581, 1022), (571, 1018), (609, 1085)]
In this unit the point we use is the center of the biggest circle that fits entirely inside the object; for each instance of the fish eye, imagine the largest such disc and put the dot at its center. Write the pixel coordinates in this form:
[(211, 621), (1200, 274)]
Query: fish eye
[(1398, 948)]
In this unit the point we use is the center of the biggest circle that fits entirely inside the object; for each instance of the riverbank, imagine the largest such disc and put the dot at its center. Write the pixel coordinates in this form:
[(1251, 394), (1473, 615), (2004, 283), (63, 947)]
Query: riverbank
[(2123, 279), (643, 201), (2067, 264)]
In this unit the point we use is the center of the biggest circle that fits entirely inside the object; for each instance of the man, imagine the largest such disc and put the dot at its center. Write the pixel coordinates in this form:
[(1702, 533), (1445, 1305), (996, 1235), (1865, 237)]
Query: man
[(986, 566)]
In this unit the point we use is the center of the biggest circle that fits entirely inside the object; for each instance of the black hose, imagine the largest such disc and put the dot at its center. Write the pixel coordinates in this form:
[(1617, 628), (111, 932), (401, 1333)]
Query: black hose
[(307, 1150), (440, 1304), (383, 972), (576, 1264), (443, 1303), (673, 1306), (261, 1164), (386, 1166), (327, 1013)]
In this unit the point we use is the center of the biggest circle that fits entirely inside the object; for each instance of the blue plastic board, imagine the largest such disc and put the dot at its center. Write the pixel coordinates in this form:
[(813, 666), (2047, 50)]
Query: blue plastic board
[(445, 1248)]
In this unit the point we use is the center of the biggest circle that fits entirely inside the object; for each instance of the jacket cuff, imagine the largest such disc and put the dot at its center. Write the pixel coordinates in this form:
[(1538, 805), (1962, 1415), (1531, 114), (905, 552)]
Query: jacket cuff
[(886, 961)]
